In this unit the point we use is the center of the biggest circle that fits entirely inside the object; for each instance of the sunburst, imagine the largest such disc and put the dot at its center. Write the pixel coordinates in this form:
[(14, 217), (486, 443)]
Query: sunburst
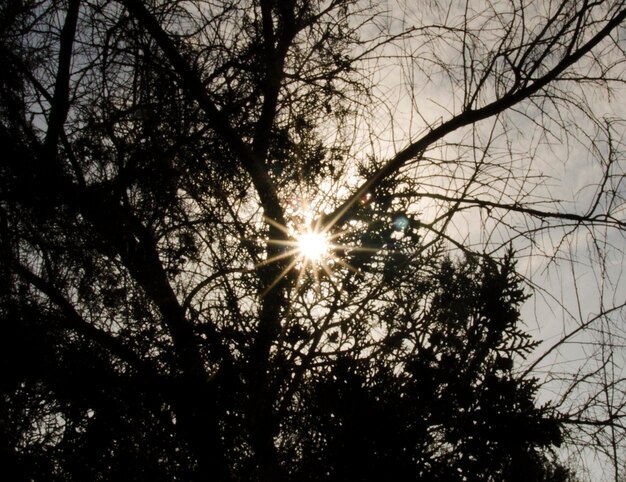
[(311, 248)]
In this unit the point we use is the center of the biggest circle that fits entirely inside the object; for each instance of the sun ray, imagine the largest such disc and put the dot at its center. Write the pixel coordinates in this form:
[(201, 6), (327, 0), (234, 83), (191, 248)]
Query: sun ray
[(348, 266), (310, 243), (316, 279), (278, 257), (276, 224), (328, 271)]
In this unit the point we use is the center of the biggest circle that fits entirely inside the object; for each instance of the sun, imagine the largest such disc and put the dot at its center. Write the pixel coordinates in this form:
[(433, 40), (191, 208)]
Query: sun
[(312, 245), (308, 247)]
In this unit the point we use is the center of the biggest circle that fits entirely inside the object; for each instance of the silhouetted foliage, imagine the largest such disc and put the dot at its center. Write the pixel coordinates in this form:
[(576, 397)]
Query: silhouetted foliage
[(160, 321), (437, 400)]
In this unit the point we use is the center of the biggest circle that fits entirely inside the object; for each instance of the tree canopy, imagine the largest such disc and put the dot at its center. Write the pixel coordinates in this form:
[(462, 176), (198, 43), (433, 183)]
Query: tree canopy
[(293, 240)]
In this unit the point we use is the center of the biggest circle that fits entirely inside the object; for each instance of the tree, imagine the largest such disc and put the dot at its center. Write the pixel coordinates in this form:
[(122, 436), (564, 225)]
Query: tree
[(229, 251), (435, 399)]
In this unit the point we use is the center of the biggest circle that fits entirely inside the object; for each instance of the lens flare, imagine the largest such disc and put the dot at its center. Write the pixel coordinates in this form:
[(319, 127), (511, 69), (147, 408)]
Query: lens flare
[(311, 248)]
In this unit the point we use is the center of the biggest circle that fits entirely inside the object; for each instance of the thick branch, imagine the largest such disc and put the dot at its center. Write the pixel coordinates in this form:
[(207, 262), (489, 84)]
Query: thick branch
[(196, 404), (192, 83), (134, 243), (60, 100), (519, 208), (274, 70), (75, 322)]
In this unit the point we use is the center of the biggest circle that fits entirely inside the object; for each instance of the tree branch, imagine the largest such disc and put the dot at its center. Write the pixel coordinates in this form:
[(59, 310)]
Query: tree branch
[(75, 322), (60, 101), (518, 208), (467, 117), (274, 57), (191, 82)]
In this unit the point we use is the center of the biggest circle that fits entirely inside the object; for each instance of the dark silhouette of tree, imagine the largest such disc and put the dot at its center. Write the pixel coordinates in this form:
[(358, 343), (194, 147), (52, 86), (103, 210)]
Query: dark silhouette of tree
[(162, 165), (435, 399)]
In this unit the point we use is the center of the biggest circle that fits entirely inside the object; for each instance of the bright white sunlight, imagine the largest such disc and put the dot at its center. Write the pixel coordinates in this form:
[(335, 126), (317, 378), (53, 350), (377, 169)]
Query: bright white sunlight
[(313, 245)]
